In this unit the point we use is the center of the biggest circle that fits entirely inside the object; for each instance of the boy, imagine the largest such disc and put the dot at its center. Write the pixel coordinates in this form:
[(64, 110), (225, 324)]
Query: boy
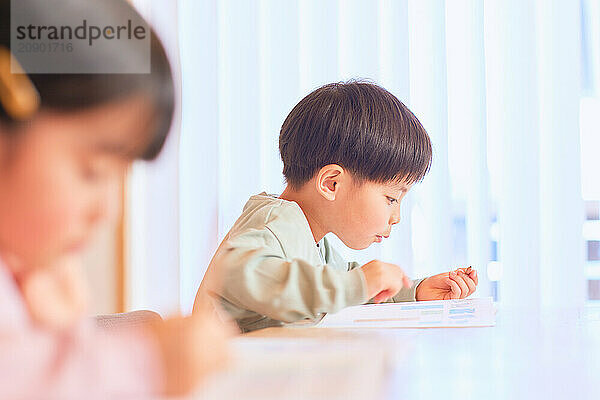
[(351, 151)]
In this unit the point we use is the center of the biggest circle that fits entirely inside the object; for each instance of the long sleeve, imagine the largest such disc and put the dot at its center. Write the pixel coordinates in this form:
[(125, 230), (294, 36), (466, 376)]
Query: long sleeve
[(258, 277), (407, 294)]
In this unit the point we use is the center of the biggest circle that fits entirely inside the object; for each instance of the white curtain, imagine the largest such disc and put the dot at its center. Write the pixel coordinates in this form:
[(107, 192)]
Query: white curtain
[(153, 274), (496, 84)]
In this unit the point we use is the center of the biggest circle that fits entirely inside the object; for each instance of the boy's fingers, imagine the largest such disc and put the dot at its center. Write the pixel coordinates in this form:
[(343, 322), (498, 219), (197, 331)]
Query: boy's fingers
[(381, 296), (454, 288), (463, 270), (464, 289), (471, 284), (474, 276), (472, 273)]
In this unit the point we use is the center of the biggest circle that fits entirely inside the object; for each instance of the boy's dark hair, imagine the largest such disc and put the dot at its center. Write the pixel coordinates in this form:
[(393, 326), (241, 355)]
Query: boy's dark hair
[(359, 126), (75, 92)]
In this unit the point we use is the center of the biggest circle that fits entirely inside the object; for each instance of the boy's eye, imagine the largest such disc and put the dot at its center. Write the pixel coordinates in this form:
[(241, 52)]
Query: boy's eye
[(391, 200)]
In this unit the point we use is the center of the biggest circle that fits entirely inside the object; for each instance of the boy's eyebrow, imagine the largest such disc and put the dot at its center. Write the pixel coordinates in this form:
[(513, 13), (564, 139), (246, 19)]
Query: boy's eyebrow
[(400, 187)]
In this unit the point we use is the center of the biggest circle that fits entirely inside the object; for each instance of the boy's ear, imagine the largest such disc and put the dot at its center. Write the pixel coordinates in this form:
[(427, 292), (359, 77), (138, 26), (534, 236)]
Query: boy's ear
[(328, 180)]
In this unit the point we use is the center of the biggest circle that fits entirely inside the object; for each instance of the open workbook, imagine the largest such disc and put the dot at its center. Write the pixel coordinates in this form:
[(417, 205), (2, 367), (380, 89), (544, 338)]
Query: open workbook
[(476, 312)]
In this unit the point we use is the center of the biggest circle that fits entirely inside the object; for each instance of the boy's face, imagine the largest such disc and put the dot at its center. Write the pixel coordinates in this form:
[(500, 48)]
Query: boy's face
[(367, 212), (60, 177)]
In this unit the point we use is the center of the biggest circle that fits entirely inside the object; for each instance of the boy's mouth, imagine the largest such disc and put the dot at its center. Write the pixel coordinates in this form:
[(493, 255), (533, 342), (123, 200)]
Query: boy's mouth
[(379, 238)]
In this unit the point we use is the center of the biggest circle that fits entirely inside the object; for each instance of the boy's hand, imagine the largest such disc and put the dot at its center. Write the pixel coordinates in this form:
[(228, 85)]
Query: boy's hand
[(456, 284), (384, 280), (191, 349)]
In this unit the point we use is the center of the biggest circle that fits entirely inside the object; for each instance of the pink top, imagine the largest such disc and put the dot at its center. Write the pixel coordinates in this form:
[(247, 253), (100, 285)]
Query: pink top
[(82, 363)]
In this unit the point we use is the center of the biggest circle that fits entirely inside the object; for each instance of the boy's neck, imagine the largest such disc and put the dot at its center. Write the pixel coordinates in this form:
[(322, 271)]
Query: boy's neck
[(309, 205)]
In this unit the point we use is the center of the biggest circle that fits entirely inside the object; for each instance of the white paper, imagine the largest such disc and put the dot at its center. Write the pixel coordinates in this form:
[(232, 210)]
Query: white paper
[(421, 314)]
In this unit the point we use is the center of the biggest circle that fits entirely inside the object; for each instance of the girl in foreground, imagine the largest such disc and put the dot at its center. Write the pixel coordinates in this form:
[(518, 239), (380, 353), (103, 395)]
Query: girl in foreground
[(65, 143)]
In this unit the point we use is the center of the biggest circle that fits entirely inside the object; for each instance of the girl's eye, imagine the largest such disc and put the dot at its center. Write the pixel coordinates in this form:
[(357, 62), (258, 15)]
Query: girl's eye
[(391, 200), (91, 174), (95, 170)]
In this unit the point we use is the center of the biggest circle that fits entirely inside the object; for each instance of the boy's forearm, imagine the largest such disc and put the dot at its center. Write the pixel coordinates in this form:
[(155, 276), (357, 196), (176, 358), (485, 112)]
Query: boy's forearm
[(284, 290)]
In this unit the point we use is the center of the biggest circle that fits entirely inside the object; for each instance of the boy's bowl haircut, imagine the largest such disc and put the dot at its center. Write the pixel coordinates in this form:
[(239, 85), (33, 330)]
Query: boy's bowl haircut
[(361, 127)]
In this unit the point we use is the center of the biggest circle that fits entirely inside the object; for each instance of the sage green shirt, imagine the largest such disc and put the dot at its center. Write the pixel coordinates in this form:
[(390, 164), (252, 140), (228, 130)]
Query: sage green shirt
[(272, 272)]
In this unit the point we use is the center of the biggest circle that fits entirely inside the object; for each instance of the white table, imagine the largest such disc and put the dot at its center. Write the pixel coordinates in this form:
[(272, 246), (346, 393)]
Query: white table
[(550, 354)]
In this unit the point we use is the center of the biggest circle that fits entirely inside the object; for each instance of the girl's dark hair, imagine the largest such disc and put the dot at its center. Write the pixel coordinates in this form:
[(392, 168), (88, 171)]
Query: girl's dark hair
[(359, 126), (74, 92)]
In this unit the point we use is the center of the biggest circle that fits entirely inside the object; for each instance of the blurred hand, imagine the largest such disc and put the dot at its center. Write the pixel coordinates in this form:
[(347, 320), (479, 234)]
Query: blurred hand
[(384, 280), (192, 348), (56, 295), (456, 284)]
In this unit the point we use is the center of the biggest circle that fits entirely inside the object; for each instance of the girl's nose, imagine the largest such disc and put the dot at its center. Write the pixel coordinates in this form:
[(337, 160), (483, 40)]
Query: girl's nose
[(106, 206)]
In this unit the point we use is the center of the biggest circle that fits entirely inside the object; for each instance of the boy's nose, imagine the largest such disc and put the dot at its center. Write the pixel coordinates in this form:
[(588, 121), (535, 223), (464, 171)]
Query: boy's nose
[(395, 217)]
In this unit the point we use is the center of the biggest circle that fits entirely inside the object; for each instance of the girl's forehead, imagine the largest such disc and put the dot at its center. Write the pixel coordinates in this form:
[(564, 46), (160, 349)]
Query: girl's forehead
[(121, 128)]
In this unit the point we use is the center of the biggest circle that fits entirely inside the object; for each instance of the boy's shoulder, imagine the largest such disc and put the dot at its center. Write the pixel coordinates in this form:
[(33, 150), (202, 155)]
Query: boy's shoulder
[(283, 219), (262, 209), (268, 206), (268, 211)]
